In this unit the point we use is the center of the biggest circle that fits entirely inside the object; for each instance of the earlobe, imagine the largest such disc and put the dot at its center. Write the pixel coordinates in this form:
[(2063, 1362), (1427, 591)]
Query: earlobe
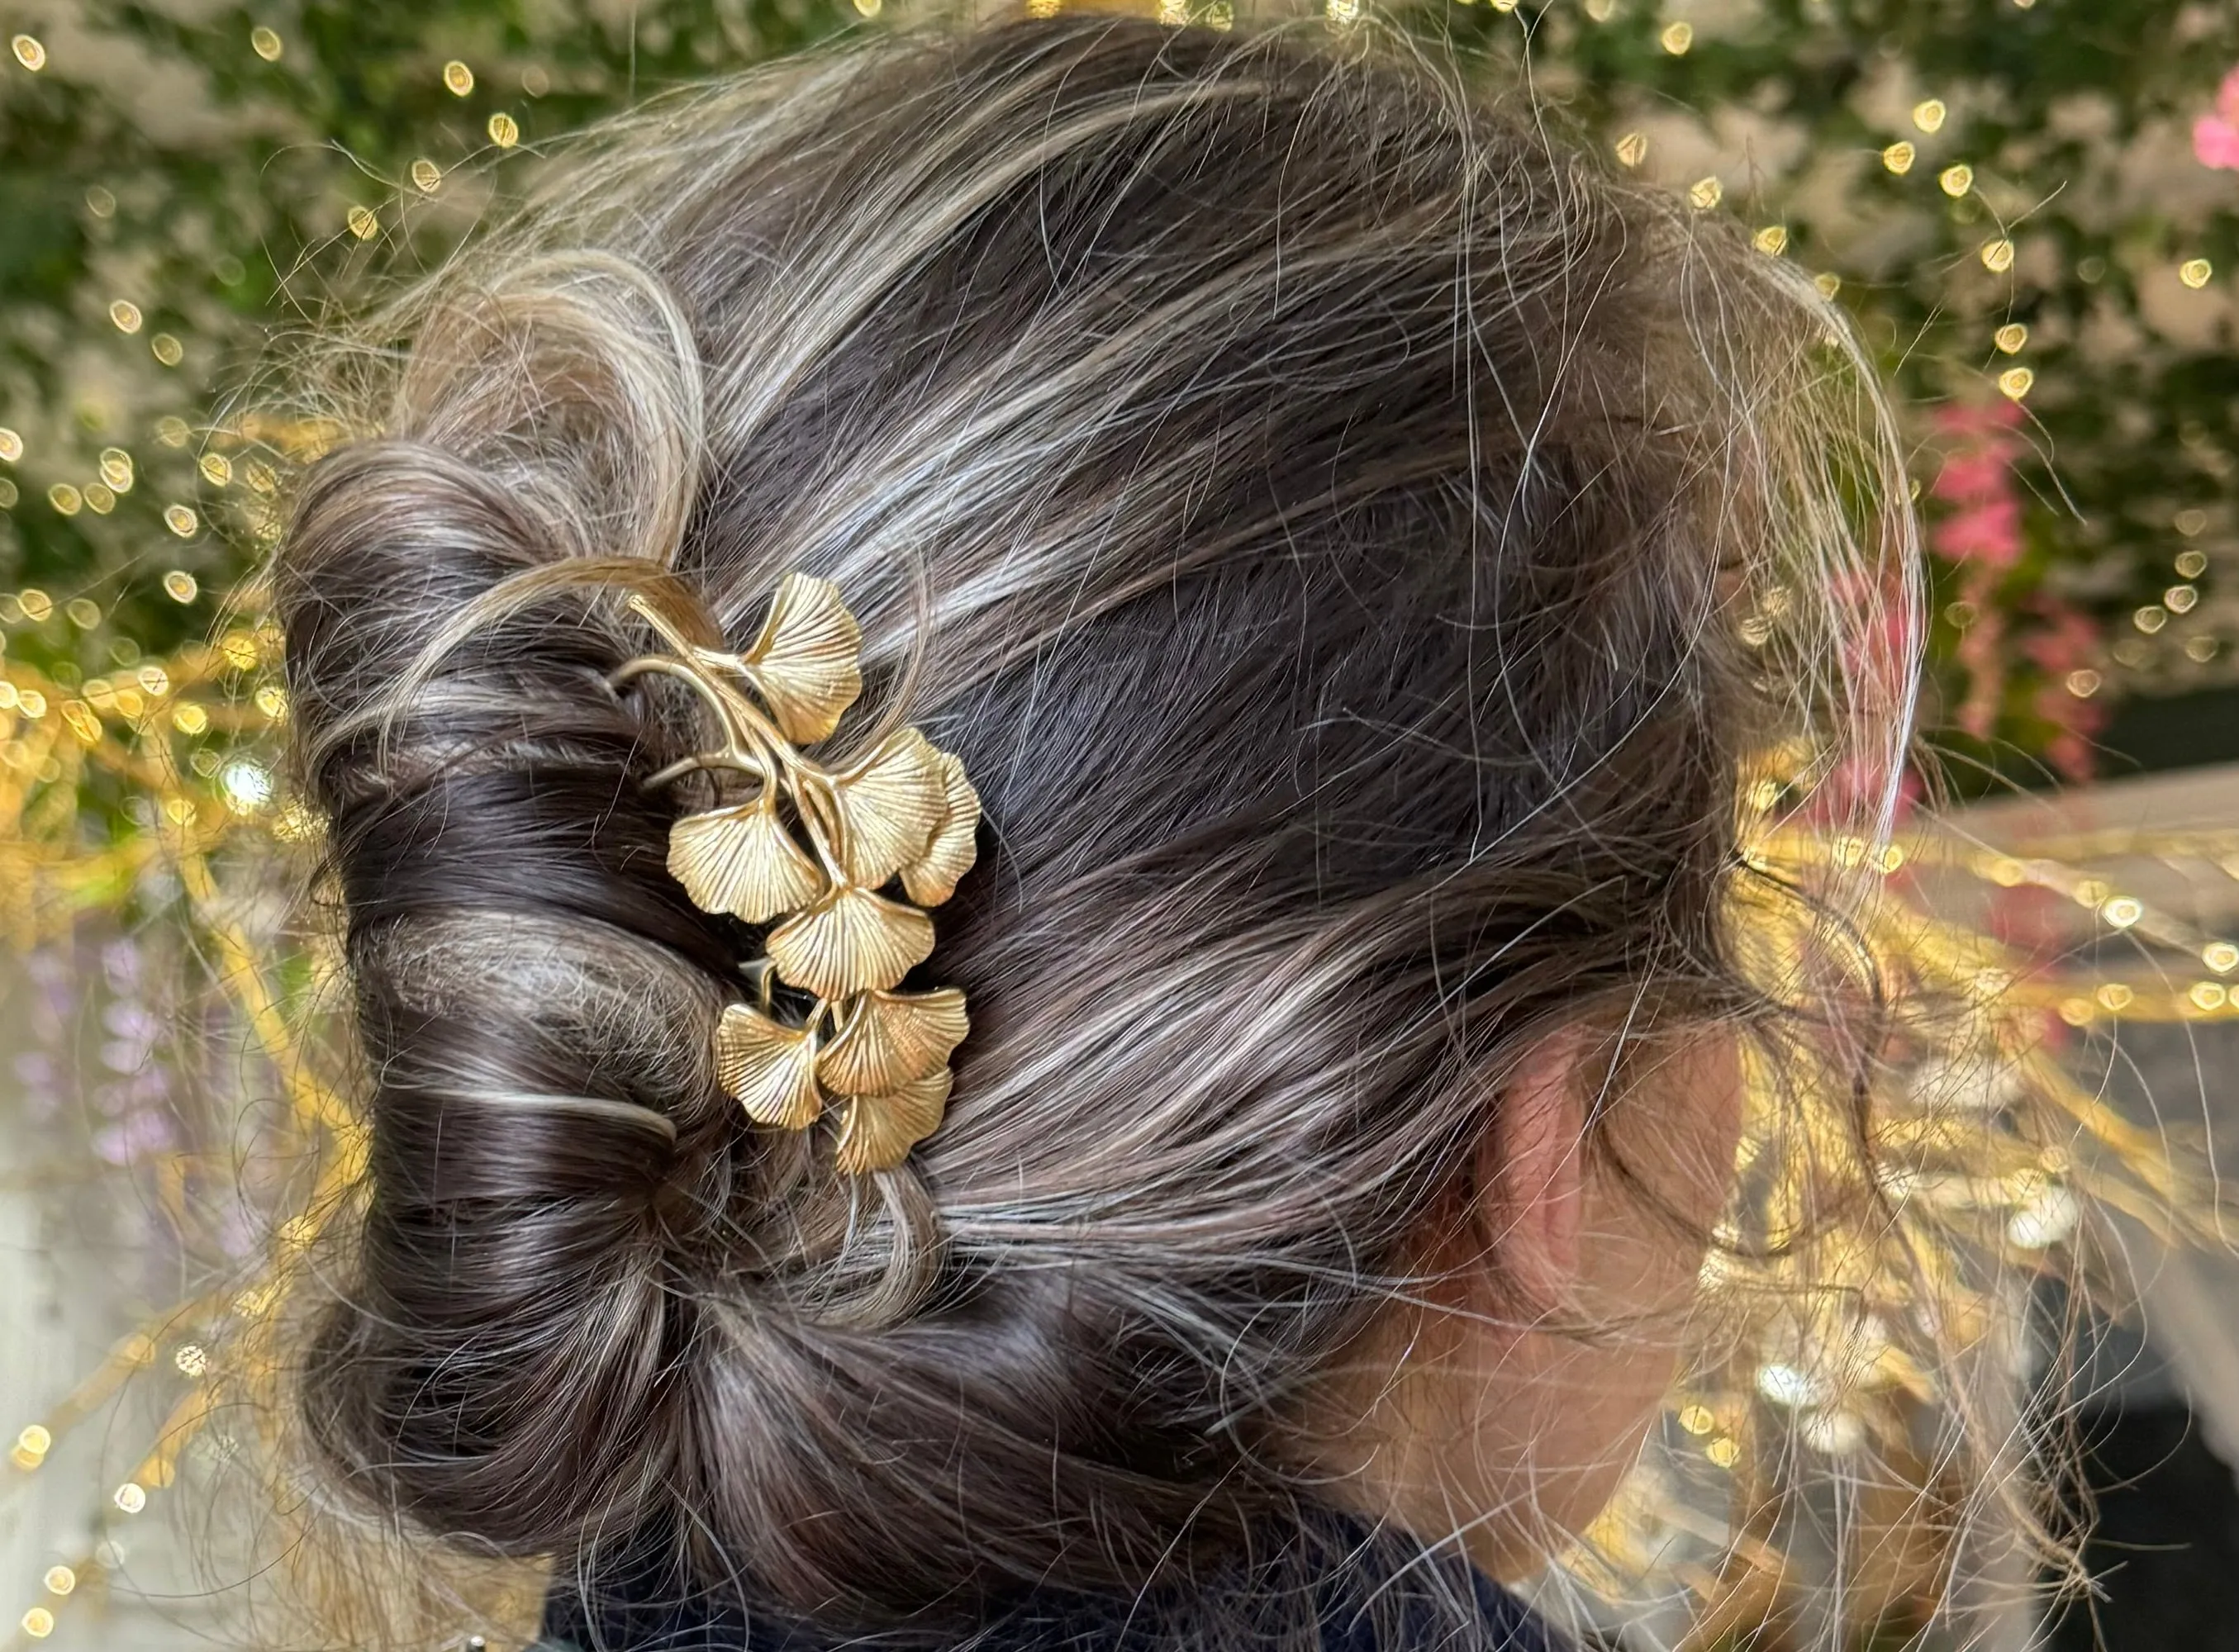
[(1529, 1175)]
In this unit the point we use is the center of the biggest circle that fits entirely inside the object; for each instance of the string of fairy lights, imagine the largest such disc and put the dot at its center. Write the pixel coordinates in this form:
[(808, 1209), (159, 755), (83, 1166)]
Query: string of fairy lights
[(183, 742), (2031, 1196), (150, 725)]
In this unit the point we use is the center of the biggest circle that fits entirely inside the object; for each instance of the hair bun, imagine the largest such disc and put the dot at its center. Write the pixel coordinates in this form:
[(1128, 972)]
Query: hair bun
[(532, 994)]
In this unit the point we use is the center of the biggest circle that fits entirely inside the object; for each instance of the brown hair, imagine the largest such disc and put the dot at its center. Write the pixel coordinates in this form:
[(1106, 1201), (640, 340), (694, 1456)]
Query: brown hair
[(1314, 502)]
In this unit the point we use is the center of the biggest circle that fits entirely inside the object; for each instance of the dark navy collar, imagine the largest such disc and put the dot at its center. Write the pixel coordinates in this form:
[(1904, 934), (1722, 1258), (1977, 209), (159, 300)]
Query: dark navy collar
[(1371, 1593)]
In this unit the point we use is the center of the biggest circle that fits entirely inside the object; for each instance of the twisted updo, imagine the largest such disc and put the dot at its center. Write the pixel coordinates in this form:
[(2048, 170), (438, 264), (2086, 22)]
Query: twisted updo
[(1312, 502)]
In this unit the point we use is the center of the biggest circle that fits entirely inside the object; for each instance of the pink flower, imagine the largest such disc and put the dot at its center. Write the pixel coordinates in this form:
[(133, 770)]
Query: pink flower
[(1977, 476), (2067, 641), (2072, 754), (2216, 137), (1988, 532), (2215, 141)]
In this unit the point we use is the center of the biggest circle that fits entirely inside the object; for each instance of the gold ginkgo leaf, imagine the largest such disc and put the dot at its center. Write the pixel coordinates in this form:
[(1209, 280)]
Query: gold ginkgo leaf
[(768, 1068), (879, 1131), (933, 878), (806, 662), (891, 1039), (741, 860), (890, 804), (849, 941)]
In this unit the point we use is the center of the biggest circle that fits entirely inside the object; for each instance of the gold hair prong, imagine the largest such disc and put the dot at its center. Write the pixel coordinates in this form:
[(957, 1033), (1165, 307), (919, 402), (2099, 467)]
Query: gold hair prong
[(814, 852)]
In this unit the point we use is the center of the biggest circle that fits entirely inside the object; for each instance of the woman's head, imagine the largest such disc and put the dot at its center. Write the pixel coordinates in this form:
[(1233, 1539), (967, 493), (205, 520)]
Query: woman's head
[(1320, 510)]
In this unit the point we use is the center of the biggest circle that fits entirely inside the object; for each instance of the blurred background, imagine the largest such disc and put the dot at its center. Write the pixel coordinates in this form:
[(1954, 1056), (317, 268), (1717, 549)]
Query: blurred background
[(2031, 207)]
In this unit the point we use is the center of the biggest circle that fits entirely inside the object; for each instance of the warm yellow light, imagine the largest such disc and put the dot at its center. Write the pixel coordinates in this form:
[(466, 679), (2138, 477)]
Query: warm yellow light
[(2121, 911)]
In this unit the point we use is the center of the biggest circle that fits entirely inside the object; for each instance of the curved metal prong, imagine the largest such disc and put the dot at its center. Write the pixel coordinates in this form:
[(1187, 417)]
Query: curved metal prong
[(702, 761)]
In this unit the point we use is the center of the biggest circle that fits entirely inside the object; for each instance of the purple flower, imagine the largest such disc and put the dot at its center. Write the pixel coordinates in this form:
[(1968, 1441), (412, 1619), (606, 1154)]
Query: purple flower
[(134, 1138), (120, 963)]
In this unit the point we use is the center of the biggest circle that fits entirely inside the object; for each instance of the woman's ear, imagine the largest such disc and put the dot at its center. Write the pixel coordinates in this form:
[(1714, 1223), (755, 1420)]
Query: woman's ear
[(1530, 1179)]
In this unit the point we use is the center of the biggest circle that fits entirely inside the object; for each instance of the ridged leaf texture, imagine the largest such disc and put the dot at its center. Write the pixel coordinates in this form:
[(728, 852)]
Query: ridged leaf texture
[(892, 1038), (878, 1131), (849, 941), (768, 1068), (805, 663), (890, 804), (933, 878), (742, 860)]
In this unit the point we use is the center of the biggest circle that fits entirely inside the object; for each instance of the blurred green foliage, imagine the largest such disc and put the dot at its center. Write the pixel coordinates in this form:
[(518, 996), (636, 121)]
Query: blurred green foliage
[(202, 164)]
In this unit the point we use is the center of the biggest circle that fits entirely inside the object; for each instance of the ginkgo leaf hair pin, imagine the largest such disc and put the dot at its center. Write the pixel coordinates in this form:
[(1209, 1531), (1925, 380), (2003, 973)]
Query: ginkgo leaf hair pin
[(814, 851)]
